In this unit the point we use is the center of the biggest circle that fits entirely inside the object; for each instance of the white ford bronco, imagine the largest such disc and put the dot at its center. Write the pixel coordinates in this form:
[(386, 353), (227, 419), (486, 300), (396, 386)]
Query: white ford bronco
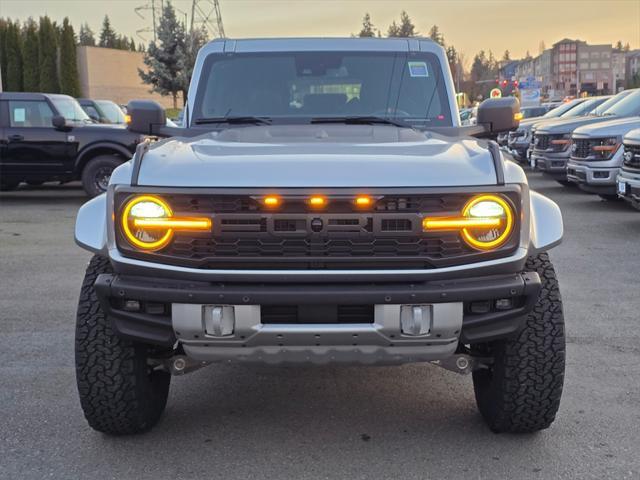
[(320, 205)]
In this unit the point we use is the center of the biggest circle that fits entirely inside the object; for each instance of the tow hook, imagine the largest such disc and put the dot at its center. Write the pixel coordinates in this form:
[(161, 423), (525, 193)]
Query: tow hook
[(463, 363)]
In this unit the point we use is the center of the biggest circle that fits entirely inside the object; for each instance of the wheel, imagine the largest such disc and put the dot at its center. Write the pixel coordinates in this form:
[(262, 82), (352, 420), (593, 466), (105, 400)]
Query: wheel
[(96, 173), (8, 185), (609, 197), (565, 183), (120, 393), (520, 392)]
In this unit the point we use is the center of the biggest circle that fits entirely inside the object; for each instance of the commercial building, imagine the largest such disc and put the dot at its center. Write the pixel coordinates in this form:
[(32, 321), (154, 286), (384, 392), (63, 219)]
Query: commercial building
[(110, 74)]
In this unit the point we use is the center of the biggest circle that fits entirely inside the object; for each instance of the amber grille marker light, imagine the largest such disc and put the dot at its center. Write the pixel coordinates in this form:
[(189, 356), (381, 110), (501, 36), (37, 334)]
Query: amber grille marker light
[(317, 201), (272, 201), (363, 201)]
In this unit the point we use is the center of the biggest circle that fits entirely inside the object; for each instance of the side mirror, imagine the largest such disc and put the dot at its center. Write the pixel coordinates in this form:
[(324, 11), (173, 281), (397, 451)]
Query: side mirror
[(499, 115), (59, 122), (146, 116)]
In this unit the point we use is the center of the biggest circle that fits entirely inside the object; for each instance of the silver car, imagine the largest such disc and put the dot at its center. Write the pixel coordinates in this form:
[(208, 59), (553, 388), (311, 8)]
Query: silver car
[(320, 205)]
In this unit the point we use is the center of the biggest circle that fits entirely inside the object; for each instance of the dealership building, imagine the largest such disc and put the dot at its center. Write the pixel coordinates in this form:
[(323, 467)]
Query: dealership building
[(110, 74)]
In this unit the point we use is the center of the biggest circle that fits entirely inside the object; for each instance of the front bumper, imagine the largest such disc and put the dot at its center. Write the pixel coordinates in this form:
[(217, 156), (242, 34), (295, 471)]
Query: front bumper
[(173, 312), (628, 186), (593, 177), (551, 164)]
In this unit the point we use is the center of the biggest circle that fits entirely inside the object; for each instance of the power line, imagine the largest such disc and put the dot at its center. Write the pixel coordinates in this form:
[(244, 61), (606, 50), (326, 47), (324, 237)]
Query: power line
[(206, 13)]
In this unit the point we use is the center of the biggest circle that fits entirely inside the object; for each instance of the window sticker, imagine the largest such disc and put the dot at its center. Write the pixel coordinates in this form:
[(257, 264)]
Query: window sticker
[(418, 69), (19, 115)]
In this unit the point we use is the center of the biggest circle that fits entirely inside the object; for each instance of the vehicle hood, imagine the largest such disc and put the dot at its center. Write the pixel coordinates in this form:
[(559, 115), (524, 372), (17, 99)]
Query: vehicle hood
[(568, 125), (317, 156), (633, 135), (611, 128), (536, 123)]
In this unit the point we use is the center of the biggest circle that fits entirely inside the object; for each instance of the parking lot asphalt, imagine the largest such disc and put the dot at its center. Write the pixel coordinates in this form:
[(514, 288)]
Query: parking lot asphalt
[(409, 422)]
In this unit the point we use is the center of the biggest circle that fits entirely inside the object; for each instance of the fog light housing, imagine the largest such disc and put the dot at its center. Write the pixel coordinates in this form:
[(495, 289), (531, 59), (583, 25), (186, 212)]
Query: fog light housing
[(131, 306), (480, 307), (504, 304)]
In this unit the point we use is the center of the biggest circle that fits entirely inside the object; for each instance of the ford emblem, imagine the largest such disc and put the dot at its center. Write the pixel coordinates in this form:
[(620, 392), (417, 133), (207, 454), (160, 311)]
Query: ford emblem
[(574, 147), (628, 155)]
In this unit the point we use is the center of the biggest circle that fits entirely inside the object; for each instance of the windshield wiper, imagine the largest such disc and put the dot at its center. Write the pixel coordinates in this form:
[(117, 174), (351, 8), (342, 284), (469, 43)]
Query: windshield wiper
[(235, 120), (363, 120)]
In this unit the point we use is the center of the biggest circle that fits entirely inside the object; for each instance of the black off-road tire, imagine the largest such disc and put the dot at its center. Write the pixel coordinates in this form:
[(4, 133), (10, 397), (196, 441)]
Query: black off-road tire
[(565, 183), (119, 393), (96, 173), (521, 391)]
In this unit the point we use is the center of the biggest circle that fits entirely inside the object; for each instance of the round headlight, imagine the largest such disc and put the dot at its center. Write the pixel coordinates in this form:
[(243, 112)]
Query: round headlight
[(497, 215), (139, 210)]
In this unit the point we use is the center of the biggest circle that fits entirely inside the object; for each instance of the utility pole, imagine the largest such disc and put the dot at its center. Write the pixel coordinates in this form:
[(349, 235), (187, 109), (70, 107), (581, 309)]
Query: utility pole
[(207, 13)]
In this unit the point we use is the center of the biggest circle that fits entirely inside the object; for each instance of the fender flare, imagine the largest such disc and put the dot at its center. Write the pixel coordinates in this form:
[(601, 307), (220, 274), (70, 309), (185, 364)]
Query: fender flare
[(547, 227), (91, 225), (81, 159)]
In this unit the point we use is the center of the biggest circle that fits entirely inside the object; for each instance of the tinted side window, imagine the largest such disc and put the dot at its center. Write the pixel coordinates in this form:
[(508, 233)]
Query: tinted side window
[(29, 114)]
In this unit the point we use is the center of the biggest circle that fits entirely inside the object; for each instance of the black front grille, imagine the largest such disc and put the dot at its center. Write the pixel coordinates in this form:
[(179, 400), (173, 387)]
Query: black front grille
[(315, 314), (541, 141), (632, 156), (386, 235), (581, 148)]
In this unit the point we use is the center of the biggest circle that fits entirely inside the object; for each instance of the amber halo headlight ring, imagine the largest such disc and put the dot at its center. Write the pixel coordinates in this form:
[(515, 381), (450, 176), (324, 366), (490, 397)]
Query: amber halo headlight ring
[(486, 222), (148, 223)]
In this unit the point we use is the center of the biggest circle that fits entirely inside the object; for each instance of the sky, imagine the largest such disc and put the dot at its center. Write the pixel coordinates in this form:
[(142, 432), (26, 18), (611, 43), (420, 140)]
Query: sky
[(469, 25)]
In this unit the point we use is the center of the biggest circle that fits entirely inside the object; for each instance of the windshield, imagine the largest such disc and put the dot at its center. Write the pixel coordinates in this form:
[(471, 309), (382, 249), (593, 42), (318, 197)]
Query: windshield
[(611, 102), (627, 104), (70, 109), (301, 86), (532, 112), (562, 109), (111, 111), (584, 108)]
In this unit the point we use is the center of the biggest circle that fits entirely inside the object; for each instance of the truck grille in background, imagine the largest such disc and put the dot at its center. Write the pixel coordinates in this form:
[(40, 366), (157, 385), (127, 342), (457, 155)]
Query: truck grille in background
[(634, 161), (542, 141), (582, 148), (248, 235)]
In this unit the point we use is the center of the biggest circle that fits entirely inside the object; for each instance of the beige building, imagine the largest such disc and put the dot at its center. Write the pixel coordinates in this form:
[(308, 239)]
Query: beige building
[(110, 74)]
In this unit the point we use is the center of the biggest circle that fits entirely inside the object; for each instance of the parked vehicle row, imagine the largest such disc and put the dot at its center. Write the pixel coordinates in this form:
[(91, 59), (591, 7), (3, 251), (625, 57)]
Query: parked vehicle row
[(628, 180), (581, 143), (46, 137)]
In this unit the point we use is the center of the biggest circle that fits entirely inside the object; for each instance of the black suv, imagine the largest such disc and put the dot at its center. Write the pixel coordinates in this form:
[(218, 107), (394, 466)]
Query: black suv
[(46, 137)]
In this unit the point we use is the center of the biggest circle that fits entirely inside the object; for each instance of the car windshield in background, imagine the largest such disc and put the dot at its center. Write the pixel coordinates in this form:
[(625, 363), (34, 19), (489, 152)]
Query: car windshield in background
[(600, 110), (70, 109), (111, 111), (562, 109), (532, 112), (306, 86), (626, 104), (585, 107)]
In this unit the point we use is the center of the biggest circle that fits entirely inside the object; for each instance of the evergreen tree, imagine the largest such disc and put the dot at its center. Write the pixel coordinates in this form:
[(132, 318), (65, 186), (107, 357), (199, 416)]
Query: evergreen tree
[(48, 56), (3, 51), (86, 36), (506, 56), (541, 47), (166, 59), (132, 45), (108, 37), (69, 81), (30, 57), (195, 40), (626, 47), (436, 35), (619, 46), (14, 58), (367, 27), (407, 28), (394, 30)]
